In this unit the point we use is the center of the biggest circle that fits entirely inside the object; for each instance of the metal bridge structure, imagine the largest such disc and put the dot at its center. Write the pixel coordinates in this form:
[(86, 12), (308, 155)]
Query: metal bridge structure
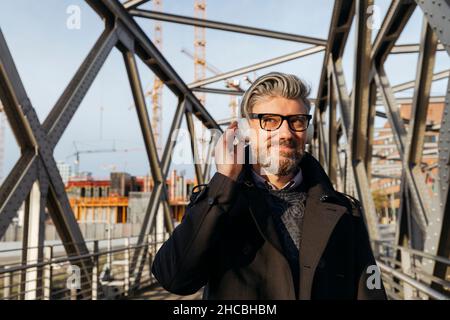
[(414, 262)]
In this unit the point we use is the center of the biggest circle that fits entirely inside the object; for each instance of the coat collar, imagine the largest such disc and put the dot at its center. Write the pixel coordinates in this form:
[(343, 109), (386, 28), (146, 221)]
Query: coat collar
[(323, 211)]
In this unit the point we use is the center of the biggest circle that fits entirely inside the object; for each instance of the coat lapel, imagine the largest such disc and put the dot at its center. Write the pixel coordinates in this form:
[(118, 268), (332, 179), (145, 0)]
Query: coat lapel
[(259, 211)]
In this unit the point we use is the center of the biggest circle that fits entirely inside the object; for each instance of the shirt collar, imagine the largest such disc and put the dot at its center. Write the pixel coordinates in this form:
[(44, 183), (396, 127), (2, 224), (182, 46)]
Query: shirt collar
[(263, 183)]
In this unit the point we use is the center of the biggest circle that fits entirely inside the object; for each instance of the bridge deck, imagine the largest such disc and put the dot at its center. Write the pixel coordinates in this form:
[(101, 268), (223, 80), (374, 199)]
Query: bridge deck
[(156, 292)]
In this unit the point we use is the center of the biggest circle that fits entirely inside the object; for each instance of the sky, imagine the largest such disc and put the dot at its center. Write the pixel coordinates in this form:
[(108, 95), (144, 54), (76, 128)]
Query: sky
[(47, 54)]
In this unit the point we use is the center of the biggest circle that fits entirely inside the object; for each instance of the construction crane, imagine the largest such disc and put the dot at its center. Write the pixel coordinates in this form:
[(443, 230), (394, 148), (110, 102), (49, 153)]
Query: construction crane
[(200, 46), (233, 84), (156, 93), (200, 67), (77, 154), (208, 66)]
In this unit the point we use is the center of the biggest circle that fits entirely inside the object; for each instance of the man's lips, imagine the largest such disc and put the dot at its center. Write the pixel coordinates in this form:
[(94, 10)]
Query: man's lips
[(282, 148)]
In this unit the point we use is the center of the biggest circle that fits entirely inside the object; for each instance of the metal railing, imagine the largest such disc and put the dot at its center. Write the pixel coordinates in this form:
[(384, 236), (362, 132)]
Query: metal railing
[(56, 278), (409, 280)]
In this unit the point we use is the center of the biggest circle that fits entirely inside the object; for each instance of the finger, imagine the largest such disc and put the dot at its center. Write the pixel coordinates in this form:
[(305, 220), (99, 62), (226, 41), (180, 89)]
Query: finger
[(229, 145), (233, 124), (229, 135), (221, 149)]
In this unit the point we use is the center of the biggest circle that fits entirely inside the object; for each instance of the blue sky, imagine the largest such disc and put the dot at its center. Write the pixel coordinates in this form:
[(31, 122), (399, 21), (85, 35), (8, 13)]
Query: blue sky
[(47, 54)]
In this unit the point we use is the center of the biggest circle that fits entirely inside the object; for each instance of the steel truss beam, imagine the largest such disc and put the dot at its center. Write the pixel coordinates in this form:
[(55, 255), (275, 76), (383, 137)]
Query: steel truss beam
[(444, 74), (399, 130), (257, 66), (417, 125), (219, 91), (225, 26), (132, 4), (341, 21), (393, 24), (194, 149), (332, 133), (411, 48), (155, 165), (437, 13)]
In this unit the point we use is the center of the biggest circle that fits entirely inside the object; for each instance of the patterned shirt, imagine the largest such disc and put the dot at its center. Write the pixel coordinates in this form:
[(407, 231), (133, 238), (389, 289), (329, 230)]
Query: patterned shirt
[(287, 210)]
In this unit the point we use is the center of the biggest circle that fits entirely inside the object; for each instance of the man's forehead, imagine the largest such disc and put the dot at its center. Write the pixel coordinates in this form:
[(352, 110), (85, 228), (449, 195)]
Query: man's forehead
[(280, 105)]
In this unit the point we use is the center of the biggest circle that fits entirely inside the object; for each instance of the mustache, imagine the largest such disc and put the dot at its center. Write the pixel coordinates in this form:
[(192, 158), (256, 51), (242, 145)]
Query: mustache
[(284, 143)]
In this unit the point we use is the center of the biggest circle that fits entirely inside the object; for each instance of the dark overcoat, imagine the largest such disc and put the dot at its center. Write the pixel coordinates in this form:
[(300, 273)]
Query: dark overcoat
[(228, 244)]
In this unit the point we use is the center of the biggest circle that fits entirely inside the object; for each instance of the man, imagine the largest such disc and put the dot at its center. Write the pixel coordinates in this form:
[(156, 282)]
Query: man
[(274, 228)]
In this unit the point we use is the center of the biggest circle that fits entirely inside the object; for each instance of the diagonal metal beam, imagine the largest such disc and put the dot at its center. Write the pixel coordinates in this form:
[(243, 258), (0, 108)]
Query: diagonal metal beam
[(14, 98), (340, 88), (155, 15), (393, 113), (357, 174), (360, 92), (144, 119), (158, 193), (332, 133), (444, 74), (150, 145), (66, 106), (399, 131), (132, 4), (194, 148), (16, 187), (323, 143), (257, 66), (419, 108), (370, 128), (219, 91), (153, 58), (409, 100), (393, 24), (411, 48), (209, 154), (341, 22)]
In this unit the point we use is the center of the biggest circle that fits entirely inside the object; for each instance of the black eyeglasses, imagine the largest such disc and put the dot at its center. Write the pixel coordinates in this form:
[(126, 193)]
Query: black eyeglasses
[(272, 121)]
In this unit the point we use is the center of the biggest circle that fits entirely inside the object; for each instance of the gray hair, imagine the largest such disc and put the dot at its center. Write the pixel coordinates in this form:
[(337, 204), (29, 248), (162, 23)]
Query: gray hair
[(275, 84)]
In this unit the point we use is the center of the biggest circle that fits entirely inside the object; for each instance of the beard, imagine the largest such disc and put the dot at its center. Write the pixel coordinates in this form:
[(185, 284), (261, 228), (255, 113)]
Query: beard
[(281, 162)]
